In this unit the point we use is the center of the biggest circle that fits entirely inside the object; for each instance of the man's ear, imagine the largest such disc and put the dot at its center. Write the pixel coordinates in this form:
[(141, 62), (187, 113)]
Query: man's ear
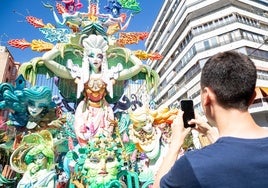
[(208, 96), (205, 96)]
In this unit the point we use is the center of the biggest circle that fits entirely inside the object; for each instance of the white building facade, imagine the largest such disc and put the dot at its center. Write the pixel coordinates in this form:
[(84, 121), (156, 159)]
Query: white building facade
[(187, 32)]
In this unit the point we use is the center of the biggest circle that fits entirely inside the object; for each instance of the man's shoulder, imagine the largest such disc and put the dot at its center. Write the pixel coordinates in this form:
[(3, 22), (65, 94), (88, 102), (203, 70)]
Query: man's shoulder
[(227, 149), (228, 156)]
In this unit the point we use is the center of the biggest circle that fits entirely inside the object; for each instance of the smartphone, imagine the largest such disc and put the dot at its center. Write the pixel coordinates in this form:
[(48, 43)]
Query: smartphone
[(187, 106)]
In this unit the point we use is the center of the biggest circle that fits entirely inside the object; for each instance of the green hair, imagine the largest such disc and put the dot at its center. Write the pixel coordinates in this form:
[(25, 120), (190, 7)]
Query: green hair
[(41, 148)]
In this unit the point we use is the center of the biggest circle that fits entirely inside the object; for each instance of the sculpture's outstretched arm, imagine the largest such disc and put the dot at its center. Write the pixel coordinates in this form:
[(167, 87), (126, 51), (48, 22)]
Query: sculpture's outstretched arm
[(126, 74), (57, 68)]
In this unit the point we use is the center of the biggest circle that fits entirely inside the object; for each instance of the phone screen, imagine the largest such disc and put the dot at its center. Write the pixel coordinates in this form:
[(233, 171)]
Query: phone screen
[(187, 106)]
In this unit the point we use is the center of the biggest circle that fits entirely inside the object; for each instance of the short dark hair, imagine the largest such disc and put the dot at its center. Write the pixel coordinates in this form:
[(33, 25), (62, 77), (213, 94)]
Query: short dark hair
[(232, 76)]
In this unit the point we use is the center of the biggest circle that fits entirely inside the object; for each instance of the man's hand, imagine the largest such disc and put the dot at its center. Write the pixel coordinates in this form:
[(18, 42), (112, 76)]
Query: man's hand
[(204, 128), (178, 131)]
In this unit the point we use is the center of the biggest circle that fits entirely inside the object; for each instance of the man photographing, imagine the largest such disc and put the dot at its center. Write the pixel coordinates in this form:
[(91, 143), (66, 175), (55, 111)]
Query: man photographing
[(238, 158)]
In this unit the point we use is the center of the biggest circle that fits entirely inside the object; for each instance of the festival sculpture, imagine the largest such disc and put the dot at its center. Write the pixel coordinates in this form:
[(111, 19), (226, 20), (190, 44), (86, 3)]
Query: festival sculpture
[(34, 158), (30, 107), (92, 134)]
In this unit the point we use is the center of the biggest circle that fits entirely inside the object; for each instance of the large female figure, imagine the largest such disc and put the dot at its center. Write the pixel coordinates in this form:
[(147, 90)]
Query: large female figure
[(95, 70), (93, 115)]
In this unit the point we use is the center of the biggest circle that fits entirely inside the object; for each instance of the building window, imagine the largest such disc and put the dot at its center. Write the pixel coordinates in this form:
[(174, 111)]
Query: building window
[(199, 46), (213, 42), (206, 44)]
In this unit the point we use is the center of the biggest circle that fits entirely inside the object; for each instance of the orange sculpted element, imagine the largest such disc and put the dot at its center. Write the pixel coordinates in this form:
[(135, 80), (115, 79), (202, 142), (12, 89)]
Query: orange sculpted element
[(131, 38), (36, 45), (155, 56), (19, 43), (37, 23), (92, 12), (142, 35)]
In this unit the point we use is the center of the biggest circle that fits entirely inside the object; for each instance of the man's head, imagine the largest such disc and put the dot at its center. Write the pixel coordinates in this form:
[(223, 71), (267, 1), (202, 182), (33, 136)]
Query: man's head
[(232, 77)]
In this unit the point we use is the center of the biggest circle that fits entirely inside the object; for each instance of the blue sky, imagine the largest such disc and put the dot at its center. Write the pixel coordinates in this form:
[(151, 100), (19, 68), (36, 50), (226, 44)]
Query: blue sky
[(14, 25)]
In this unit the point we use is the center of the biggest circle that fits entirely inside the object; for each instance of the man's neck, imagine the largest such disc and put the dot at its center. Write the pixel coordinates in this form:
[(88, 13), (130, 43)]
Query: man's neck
[(238, 124)]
